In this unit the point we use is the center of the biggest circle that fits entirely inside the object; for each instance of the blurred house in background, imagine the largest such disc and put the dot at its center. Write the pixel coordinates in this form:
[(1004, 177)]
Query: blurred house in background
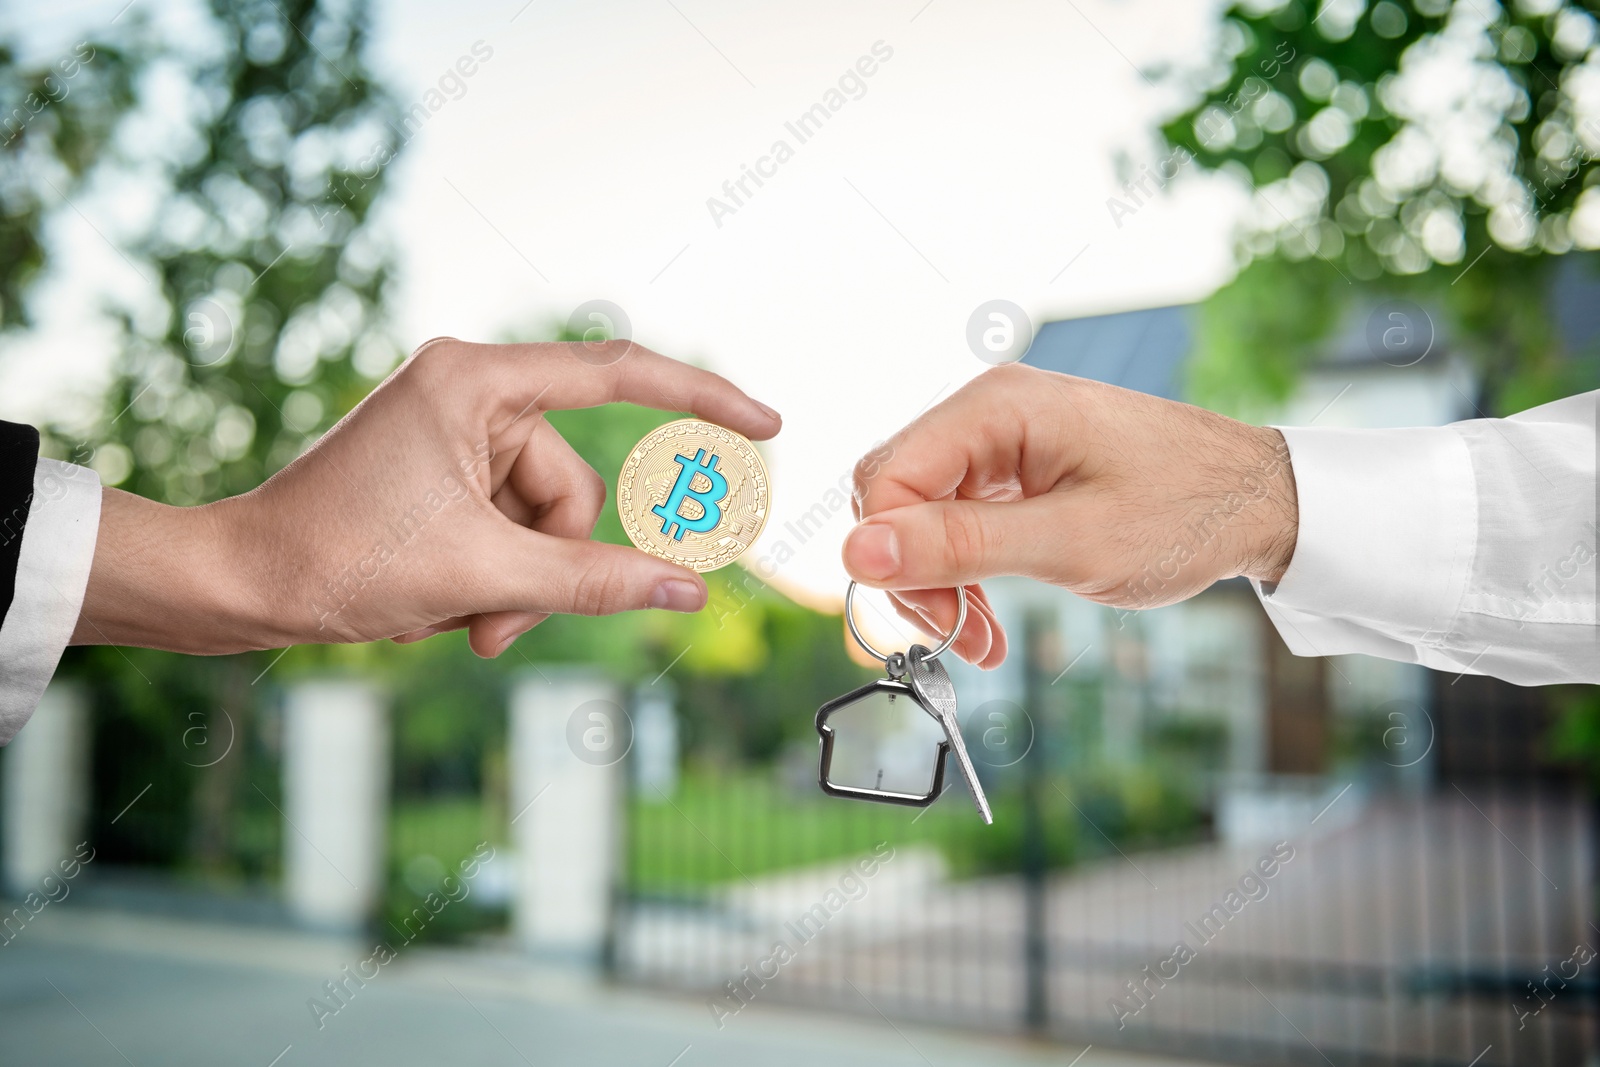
[(1447, 850), (1213, 670), (1429, 857), (1365, 862)]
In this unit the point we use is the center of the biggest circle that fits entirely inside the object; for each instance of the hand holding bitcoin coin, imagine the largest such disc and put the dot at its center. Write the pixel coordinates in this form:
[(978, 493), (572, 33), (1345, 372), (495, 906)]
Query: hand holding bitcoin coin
[(481, 514), (694, 493)]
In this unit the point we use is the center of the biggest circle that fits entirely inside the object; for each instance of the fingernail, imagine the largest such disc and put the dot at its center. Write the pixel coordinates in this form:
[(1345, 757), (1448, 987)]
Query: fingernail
[(503, 645), (676, 594), (770, 413), (873, 550)]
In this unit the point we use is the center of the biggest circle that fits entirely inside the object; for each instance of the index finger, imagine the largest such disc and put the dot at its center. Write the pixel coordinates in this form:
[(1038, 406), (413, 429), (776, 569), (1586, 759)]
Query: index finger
[(1007, 434), (553, 377)]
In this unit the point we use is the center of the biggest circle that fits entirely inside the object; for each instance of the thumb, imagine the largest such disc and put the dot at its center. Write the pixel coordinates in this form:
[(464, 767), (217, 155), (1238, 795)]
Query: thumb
[(945, 543), (542, 573)]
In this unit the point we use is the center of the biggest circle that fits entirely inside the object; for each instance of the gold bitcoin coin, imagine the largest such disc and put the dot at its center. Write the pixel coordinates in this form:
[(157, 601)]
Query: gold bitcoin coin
[(695, 493)]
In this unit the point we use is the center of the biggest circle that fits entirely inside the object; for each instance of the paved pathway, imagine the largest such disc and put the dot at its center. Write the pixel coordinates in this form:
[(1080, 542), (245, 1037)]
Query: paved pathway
[(82, 987)]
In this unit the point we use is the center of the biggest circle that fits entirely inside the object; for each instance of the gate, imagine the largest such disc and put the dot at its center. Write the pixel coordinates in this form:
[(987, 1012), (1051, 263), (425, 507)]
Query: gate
[(1450, 927), (1346, 918)]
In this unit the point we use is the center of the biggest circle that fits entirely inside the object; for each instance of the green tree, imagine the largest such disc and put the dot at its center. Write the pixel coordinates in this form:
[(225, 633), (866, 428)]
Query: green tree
[(56, 119), (272, 282), (272, 278), (1464, 198), (268, 282), (1427, 149)]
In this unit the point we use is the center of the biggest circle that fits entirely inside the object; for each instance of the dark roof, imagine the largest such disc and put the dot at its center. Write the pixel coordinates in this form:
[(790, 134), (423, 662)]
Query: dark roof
[(1577, 300), (1145, 350), (1142, 350)]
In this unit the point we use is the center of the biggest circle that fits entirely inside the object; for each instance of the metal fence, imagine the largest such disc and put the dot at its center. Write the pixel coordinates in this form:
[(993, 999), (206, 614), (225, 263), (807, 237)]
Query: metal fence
[(1452, 923)]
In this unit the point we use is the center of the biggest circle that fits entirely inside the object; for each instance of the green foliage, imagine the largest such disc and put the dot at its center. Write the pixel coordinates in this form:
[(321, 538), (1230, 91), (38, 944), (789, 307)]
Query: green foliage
[(56, 121), (167, 728), (1255, 336), (798, 663), (1140, 806), (272, 286), (1576, 734), (272, 278), (428, 841), (1359, 195), (1193, 745), (719, 828), (1064, 839), (1384, 203), (722, 827)]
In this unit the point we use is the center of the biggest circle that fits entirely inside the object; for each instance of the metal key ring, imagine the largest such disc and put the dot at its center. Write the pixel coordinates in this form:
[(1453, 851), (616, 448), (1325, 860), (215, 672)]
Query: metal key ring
[(943, 646)]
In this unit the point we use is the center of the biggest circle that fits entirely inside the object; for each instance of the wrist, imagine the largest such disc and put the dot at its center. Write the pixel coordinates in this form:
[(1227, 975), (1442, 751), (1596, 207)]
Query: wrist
[(173, 578), (1268, 544)]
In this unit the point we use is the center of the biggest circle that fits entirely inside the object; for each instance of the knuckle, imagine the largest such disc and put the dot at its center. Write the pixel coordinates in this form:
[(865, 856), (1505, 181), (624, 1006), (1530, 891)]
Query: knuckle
[(435, 363), (1010, 374), (601, 590), (869, 466), (436, 347), (862, 473), (965, 540), (611, 350), (592, 486)]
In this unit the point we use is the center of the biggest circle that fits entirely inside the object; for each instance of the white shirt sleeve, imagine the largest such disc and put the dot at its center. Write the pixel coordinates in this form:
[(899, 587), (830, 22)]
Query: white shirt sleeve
[(52, 573), (1468, 548)]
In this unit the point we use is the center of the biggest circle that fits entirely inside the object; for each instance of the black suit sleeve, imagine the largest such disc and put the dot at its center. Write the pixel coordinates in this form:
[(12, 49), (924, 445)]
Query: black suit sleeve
[(19, 455)]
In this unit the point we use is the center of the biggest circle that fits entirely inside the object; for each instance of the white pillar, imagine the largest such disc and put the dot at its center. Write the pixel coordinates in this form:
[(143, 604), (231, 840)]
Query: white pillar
[(655, 742), (46, 787), (335, 800), (569, 732)]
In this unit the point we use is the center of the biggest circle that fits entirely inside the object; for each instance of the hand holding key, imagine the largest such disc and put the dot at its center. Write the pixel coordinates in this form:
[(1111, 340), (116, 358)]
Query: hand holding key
[(1125, 499)]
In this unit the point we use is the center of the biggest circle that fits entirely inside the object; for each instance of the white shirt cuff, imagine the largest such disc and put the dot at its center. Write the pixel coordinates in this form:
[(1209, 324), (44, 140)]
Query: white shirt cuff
[(1388, 524), (52, 573)]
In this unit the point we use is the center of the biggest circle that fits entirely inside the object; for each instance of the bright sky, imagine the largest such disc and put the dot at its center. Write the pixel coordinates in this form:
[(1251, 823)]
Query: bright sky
[(579, 160)]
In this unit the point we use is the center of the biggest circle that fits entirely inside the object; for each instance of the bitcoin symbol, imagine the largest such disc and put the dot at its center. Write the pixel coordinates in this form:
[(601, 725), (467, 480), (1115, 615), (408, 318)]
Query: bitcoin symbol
[(673, 523), (719, 497)]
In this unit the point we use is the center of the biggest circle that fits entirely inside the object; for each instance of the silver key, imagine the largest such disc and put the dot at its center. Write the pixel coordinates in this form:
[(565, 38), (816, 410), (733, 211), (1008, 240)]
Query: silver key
[(918, 675), (937, 695)]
